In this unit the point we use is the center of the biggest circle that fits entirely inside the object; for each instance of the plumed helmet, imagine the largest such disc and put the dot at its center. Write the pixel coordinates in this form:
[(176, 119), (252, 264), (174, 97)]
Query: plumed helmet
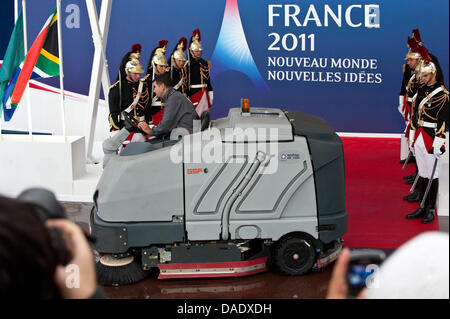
[(195, 41), (133, 65), (413, 52), (427, 68), (426, 65), (158, 57), (178, 53)]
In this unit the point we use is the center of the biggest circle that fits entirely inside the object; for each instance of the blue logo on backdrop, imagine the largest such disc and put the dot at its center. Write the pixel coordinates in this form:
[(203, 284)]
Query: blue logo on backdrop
[(232, 51)]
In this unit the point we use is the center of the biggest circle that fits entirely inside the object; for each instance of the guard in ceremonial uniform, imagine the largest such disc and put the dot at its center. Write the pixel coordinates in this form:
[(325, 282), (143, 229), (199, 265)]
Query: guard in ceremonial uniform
[(157, 65), (178, 67), (415, 61), (135, 48), (427, 136), (410, 84), (200, 90), (129, 94)]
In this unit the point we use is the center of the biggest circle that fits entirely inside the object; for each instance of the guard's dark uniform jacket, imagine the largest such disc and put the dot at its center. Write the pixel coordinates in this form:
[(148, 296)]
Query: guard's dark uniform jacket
[(430, 113), (410, 84), (198, 76), (407, 74), (121, 96), (179, 79)]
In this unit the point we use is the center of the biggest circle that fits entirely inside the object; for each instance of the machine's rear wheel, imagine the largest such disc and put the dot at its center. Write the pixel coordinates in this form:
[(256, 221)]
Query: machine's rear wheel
[(294, 256)]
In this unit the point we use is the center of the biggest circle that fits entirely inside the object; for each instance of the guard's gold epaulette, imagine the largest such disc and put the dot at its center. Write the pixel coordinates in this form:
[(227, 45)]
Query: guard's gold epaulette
[(145, 78), (444, 89), (113, 85), (404, 67), (209, 64)]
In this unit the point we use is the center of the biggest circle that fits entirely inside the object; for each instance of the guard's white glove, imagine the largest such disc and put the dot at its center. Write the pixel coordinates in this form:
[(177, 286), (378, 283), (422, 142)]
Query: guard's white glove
[(438, 147), (437, 152), (400, 105), (211, 96)]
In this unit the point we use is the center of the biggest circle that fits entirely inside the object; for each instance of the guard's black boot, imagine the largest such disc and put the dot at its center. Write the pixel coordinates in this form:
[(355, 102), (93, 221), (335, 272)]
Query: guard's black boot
[(430, 202), (429, 216), (416, 195), (413, 176), (411, 160), (418, 213)]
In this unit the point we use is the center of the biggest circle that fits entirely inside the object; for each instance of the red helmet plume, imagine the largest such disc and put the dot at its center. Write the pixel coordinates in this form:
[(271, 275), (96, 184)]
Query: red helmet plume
[(137, 47), (416, 35), (183, 41), (197, 32), (162, 43), (424, 54), (412, 44)]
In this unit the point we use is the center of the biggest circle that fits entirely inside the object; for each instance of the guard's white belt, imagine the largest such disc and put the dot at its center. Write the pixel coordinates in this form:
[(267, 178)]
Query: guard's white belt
[(427, 124), (156, 103), (198, 86), (410, 99)]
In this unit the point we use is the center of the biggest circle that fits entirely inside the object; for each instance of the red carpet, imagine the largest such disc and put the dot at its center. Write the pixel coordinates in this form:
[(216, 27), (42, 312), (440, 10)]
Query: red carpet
[(374, 195)]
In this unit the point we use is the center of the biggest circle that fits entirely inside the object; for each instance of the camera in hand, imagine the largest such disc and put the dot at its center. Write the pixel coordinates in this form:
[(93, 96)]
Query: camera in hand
[(362, 267), (48, 207)]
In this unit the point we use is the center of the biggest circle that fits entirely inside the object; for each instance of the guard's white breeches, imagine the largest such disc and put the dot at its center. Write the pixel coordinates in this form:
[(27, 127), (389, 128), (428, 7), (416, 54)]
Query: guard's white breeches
[(425, 161)]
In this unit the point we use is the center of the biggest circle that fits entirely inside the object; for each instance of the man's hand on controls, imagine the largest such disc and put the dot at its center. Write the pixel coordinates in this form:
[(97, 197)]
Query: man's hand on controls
[(145, 128)]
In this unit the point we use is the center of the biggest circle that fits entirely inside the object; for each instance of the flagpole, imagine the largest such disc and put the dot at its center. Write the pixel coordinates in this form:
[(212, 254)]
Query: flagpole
[(16, 9), (61, 73), (25, 48)]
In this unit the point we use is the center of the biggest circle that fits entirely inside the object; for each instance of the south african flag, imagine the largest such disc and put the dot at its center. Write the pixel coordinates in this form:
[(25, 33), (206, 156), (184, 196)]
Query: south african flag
[(42, 61)]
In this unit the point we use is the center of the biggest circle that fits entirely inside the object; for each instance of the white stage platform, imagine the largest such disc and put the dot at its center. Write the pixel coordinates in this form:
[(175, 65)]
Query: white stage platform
[(47, 161)]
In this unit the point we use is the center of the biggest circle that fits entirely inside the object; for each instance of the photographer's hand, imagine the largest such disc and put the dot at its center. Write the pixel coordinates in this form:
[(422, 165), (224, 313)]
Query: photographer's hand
[(338, 287), (83, 259)]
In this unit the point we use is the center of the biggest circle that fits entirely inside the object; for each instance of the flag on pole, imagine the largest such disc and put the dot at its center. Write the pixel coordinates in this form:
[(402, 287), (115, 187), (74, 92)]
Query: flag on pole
[(42, 61), (13, 57)]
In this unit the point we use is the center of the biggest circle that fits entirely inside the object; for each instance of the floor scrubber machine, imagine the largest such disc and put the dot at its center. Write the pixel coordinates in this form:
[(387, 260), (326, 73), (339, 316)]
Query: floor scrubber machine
[(257, 188)]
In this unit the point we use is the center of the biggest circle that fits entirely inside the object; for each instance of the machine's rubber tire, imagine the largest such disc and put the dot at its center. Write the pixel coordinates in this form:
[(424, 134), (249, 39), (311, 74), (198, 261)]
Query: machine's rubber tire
[(294, 255)]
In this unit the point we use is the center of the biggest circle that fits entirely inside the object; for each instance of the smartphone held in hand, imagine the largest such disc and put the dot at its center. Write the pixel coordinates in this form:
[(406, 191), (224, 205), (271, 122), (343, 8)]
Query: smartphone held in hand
[(364, 263)]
